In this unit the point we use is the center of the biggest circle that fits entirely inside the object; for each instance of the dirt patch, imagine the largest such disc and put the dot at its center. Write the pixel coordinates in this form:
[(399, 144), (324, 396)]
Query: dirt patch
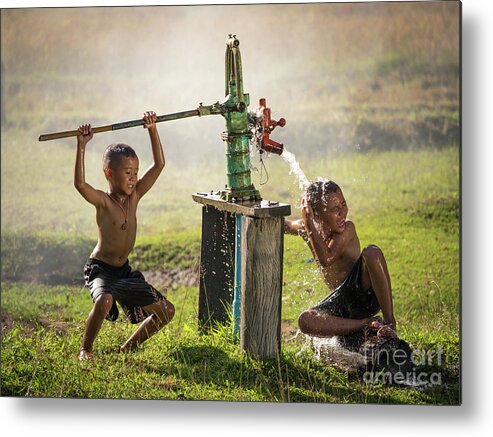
[(291, 334), (44, 278), (170, 278), (164, 278), (59, 326), (7, 322)]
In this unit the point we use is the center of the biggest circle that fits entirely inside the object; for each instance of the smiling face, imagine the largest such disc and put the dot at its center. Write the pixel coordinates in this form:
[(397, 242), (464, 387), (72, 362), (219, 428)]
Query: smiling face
[(123, 176), (120, 165)]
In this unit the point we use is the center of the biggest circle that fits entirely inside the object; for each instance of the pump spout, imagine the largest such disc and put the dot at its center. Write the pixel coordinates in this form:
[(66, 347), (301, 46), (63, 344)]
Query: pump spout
[(264, 125)]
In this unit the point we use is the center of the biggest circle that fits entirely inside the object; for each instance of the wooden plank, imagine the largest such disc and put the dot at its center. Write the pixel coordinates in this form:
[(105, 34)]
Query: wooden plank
[(217, 262), (265, 208), (261, 288)]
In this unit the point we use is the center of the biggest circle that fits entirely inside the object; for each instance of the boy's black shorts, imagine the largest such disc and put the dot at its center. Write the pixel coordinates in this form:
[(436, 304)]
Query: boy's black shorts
[(128, 288), (349, 300)]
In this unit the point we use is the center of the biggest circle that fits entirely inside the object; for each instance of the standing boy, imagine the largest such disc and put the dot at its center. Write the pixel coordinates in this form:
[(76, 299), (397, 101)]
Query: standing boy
[(360, 279), (107, 272)]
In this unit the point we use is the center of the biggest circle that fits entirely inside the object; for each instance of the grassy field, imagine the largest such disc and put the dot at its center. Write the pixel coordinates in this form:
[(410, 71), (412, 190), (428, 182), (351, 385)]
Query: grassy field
[(417, 228), (370, 93)]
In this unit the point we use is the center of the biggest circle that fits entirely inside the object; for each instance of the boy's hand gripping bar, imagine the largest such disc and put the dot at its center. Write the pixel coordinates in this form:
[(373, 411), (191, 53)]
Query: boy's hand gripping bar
[(215, 109)]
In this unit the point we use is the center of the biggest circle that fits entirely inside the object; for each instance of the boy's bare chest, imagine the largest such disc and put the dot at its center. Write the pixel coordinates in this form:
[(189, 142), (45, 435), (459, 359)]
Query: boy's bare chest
[(117, 232), (339, 270), (353, 249), (118, 217)]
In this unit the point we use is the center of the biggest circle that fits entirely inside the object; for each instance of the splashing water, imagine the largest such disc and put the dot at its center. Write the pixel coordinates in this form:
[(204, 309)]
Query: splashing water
[(296, 169)]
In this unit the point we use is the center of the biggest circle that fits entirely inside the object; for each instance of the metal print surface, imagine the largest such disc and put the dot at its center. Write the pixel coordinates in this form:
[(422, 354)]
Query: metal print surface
[(298, 241)]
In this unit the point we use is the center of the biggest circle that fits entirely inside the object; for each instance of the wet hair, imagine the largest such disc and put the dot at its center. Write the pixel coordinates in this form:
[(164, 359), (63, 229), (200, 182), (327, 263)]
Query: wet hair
[(115, 152), (318, 191)]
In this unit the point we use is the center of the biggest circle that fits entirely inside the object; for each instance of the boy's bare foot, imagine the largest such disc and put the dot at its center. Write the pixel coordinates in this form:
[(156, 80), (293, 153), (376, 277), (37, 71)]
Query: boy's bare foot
[(387, 331), (376, 323), (85, 355)]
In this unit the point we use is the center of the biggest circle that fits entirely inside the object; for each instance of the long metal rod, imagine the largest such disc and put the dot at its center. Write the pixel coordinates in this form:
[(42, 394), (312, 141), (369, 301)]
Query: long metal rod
[(124, 125)]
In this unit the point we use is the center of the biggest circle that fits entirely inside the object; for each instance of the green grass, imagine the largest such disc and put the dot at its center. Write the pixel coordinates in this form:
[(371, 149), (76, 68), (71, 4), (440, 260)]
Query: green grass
[(405, 202), (418, 230), (40, 361)]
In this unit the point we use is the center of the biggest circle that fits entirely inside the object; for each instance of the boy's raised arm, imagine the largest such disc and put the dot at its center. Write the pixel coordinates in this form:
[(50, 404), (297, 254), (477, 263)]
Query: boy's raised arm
[(293, 227), (152, 173), (96, 197), (325, 252)]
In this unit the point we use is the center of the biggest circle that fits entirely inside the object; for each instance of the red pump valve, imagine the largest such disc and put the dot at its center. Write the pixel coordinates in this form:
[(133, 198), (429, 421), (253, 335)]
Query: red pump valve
[(267, 126)]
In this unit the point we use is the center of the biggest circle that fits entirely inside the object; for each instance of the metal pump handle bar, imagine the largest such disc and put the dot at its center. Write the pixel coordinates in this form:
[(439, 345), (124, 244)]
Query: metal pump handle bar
[(216, 108)]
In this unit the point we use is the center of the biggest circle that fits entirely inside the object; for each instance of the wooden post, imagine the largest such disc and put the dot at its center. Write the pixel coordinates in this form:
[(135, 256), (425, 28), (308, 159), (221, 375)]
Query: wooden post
[(217, 262), (261, 287), (260, 281)]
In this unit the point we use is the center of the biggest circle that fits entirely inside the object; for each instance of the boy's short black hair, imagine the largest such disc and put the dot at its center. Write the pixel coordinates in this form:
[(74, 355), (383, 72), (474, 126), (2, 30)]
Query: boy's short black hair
[(318, 190), (114, 152)]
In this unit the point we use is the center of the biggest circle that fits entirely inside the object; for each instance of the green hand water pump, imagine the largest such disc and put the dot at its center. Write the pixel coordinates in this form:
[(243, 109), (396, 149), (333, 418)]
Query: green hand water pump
[(237, 136), (242, 128)]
